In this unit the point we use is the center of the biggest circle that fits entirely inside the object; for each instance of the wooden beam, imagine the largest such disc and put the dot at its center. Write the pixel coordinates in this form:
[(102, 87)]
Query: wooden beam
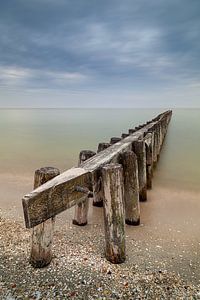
[(55, 196)]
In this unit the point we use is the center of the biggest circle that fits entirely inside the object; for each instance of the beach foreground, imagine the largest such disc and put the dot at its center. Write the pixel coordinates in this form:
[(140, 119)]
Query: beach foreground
[(162, 255), (79, 270)]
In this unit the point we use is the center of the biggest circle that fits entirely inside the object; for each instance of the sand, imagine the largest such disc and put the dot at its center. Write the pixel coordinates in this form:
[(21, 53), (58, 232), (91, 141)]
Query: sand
[(162, 253)]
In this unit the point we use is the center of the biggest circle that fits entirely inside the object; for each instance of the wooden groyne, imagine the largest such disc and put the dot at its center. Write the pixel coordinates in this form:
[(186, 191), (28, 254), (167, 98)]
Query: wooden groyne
[(116, 177)]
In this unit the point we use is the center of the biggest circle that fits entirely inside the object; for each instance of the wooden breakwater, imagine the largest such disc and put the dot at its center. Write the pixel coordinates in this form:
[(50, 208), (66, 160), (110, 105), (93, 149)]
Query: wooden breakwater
[(116, 177)]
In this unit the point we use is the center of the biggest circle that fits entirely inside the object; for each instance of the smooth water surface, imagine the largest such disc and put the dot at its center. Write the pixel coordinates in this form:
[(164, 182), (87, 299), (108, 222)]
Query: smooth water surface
[(31, 138), (169, 233)]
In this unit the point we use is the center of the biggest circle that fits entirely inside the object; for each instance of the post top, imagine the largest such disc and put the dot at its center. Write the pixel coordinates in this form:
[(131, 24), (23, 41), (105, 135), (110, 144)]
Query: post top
[(48, 170)]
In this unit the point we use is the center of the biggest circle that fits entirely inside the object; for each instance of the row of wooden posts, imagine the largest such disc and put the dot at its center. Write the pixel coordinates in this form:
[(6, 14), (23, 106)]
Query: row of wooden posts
[(119, 176)]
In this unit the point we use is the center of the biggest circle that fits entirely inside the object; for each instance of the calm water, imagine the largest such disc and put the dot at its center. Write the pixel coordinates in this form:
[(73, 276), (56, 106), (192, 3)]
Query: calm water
[(170, 218), (41, 137)]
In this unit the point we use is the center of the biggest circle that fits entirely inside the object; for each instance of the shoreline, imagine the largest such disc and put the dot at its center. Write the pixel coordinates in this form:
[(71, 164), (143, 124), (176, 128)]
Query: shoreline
[(14, 186), (162, 253)]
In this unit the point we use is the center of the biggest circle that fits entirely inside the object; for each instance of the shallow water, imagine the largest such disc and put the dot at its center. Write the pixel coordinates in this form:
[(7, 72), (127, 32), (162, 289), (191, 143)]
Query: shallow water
[(31, 138), (168, 237)]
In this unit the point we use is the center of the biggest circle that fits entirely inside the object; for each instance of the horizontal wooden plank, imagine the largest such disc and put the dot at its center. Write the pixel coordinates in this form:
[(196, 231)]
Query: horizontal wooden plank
[(55, 196), (60, 193)]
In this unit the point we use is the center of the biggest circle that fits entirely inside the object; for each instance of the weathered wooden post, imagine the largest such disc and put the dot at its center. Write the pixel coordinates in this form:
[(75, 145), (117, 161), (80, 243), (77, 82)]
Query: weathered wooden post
[(160, 136), (81, 209), (128, 160), (155, 145), (114, 140), (140, 151), (157, 129), (102, 146), (42, 234), (149, 158), (131, 131), (140, 126), (114, 213), (136, 128), (124, 135), (162, 131), (97, 181)]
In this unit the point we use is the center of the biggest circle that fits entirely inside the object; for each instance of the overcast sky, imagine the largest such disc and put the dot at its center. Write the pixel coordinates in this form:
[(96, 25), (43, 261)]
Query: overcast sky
[(100, 53)]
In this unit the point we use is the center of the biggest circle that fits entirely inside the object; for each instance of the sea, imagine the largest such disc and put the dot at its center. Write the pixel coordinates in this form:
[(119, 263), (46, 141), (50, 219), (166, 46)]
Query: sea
[(34, 138)]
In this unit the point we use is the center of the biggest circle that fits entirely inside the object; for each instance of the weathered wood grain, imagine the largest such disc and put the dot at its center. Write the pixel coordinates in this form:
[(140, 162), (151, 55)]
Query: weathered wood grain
[(131, 187), (97, 180), (81, 209), (114, 213), (140, 151), (149, 141), (55, 196), (42, 234)]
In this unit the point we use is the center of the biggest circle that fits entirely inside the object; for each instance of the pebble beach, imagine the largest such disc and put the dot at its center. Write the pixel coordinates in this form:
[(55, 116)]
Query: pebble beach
[(79, 269)]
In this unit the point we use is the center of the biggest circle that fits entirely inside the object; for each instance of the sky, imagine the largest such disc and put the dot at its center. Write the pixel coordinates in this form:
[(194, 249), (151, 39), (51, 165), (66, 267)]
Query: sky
[(100, 53)]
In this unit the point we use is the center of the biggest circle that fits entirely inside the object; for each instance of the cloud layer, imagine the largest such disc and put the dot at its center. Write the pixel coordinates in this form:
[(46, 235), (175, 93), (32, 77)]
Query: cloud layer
[(135, 50)]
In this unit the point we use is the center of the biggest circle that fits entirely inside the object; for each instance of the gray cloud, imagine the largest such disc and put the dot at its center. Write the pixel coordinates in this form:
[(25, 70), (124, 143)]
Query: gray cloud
[(141, 47)]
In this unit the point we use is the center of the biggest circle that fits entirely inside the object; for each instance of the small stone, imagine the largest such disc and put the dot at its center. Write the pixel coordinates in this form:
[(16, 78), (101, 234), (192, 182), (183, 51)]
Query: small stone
[(85, 258), (72, 294)]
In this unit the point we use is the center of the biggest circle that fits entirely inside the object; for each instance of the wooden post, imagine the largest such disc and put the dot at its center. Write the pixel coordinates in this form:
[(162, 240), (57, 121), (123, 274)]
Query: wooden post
[(102, 146), (138, 127), (159, 138), (97, 181), (42, 234), (157, 128), (164, 128), (140, 151), (149, 158), (131, 131), (128, 160), (114, 213), (114, 140), (162, 132), (155, 146), (81, 209), (124, 135)]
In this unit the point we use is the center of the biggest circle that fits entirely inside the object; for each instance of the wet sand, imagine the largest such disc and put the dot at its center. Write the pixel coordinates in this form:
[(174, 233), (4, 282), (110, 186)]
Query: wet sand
[(167, 239)]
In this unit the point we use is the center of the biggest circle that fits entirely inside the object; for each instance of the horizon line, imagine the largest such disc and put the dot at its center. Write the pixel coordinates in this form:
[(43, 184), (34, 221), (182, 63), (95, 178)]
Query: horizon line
[(103, 107)]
